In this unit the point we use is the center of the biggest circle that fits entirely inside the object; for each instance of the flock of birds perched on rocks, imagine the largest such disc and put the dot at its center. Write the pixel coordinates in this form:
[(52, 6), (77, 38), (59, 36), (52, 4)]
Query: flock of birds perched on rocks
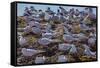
[(55, 37)]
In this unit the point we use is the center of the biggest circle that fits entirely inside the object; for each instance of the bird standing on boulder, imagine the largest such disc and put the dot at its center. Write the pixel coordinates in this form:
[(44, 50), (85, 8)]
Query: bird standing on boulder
[(22, 41), (62, 58), (87, 51), (30, 52), (39, 60), (44, 41), (91, 39)]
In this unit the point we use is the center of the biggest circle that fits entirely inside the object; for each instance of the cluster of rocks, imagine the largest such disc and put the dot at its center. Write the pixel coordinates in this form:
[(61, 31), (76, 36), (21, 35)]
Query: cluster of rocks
[(53, 37)]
